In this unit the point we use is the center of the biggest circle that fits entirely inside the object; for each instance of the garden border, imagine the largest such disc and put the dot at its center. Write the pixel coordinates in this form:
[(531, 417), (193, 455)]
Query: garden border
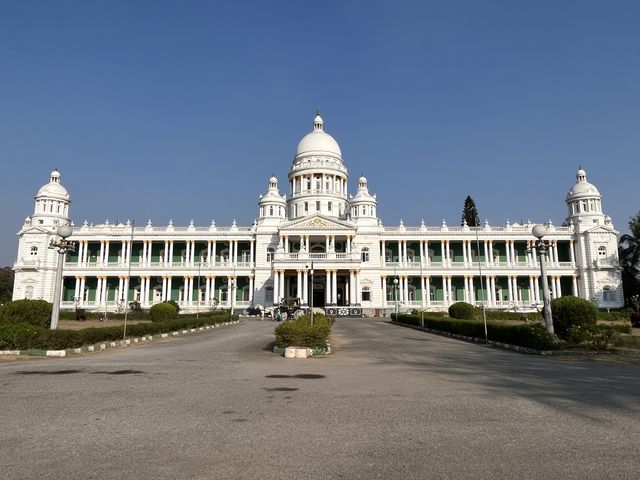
[(100, 346)]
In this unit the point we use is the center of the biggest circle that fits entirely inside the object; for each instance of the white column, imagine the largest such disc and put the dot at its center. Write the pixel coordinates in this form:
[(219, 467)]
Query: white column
[(555, 252), (358, 289), (145, 252), (574, 286), (443, 253), (427, 288), (328, 289), (282, 285), (251, 248), (490, 257), (383, 279), (465, 260), (170, 252), (120, 289), (305, 287), (384, 254), (554, 287), (422, 292), (207, 288), (80, 251), (559, 286), (125, 291), (229, 287), (334, 287), (213, 252), (169, 286), (276, 286), (299, 290), (426, 253), (572, 254), (192, 252), (252, 282)]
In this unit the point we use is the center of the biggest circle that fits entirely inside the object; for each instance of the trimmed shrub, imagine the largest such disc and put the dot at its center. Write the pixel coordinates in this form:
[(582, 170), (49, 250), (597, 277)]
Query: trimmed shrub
[(19, 336), (32, 312), (175, 304), (571, 311), (163, 311), (531, 335), (300, 333), (23, 336), (597, 337), (462, 310)]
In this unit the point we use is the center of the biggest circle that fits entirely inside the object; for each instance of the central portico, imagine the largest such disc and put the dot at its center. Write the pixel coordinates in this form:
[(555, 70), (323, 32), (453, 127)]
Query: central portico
[(329, 245)]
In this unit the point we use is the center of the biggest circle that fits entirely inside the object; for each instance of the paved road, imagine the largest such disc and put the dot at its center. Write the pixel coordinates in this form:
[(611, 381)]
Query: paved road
[(390, 403)]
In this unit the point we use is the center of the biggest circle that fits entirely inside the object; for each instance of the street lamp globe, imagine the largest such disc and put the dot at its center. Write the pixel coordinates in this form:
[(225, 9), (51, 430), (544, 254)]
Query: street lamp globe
[(539, 231), (64, 231)]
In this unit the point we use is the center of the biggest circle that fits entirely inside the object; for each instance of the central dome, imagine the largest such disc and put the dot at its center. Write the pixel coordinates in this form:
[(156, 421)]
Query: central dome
[(318, 142)]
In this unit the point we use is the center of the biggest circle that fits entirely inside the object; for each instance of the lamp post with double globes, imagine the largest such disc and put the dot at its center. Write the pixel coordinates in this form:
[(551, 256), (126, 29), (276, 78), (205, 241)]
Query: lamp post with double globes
[(62, 246), (542, 246)]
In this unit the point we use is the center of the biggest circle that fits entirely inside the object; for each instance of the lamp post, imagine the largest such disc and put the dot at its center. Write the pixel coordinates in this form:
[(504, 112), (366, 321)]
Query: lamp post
[(232, 293), (311, 294), (395, 294), (542, 246), (63, 246), (484, 295)]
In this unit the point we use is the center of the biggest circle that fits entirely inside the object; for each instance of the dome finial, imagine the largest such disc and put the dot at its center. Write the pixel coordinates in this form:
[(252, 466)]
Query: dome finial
[(318, 122)]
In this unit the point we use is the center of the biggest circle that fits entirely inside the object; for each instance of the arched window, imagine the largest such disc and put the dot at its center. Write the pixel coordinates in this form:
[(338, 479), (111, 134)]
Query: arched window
[(28, 293), (365, 254), (602, 251), (607, 294), (33, 251), (271, 211)]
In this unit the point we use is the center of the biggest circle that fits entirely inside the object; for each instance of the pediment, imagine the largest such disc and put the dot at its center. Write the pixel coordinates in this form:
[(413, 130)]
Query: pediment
[(599, 229), (35, 229), (318, 223)]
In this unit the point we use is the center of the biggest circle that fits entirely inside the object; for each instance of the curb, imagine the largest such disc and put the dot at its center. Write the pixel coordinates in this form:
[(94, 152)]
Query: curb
[(505, 346), (96, 347), (516, 348)]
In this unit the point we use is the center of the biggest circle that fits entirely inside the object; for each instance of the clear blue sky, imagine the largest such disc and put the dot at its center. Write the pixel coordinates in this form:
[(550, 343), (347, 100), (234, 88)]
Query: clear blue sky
[(183, 109)]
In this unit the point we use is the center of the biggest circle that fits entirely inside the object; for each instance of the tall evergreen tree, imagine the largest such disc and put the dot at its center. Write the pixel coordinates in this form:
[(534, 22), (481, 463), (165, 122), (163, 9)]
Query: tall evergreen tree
[(634, 225), (470, 213)]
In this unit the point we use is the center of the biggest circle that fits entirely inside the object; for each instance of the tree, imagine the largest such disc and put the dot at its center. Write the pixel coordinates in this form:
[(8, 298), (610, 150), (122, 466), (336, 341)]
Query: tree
[(629, 257), (634, 225), (470, 213), (6, 284)]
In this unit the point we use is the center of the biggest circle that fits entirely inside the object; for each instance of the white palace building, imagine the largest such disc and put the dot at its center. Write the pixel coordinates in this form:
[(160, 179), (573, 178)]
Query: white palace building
[(359, 265)]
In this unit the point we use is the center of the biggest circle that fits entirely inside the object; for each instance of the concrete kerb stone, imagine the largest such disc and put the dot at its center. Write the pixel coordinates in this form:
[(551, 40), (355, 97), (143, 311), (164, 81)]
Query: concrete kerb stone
[(108, 345), (506, 346), (517, 348)]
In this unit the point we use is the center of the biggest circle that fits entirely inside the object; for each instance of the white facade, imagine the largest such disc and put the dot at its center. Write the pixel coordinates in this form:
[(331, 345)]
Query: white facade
[(355, 258)]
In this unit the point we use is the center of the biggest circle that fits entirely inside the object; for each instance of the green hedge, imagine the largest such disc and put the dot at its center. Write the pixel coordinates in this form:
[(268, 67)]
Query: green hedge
[(462, 310), (161, 312), (530, 335), (300, 333), (572, 311), (23, 336), (32, 312)]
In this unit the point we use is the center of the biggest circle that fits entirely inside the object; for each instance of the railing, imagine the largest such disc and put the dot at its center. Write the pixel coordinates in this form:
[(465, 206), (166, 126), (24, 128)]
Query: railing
[(317, 256), (157, 265)]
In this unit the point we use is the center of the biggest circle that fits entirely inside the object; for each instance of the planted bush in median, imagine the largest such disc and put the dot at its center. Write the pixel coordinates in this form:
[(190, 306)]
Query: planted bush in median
[(300, 333)]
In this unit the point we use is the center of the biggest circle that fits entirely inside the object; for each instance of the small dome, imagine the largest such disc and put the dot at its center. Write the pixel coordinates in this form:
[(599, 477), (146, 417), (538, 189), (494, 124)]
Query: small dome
[(582, 187), (318, 142), (273, 180), (362, 180), (53, 189)]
